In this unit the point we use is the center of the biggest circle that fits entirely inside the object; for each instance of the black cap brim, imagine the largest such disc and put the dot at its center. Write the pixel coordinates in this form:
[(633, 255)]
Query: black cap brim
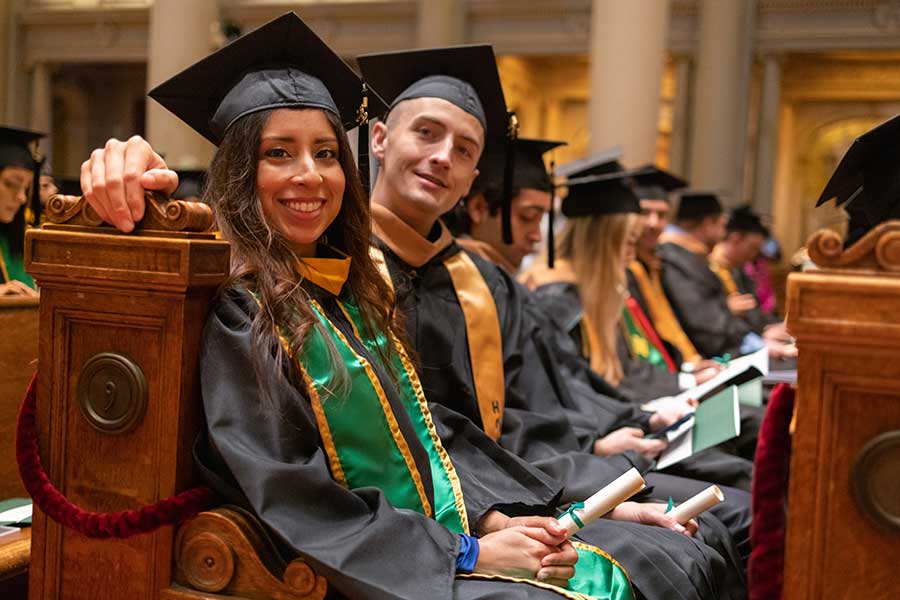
[(195, 94)]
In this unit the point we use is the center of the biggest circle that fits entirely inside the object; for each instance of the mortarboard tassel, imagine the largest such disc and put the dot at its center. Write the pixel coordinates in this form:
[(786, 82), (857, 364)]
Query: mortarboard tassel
[(509, 170), (551, 244), (362, 140)]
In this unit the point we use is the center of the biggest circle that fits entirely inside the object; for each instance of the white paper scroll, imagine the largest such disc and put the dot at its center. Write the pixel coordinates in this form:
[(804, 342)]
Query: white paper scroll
[(617, 492), (700, 503)]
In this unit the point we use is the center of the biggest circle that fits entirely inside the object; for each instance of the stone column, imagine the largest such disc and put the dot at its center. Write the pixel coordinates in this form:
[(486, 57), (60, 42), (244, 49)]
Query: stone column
[(440, 23), (721, 86), (767, 140), (627, 56), (40, 116), (678, 160), (4, 59), (179, 35)]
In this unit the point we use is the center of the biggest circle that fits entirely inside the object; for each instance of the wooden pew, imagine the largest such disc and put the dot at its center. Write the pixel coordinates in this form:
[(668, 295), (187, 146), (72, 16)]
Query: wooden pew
[(18, 361), (118, 410), (843, 528)]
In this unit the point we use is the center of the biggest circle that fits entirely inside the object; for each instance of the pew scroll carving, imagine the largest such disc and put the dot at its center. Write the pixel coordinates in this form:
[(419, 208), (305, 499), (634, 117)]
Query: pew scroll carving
[(160, 214), (225, 551)]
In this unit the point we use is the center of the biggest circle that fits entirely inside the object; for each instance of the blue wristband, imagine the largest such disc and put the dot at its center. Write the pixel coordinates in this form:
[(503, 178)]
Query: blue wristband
[(468, 554)]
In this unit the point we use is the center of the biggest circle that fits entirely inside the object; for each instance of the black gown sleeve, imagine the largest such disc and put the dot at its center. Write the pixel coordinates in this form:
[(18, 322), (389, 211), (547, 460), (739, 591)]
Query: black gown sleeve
[(701, 306), (363, 545)]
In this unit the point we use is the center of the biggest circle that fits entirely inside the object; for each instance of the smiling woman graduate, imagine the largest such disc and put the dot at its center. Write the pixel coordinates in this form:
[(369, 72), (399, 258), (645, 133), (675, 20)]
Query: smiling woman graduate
[(316, 418)]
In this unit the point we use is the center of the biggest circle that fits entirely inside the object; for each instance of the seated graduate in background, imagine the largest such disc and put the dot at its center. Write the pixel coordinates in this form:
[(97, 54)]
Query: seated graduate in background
[(697, 295), (652, 186), (315, 414), (19, 172), (476, 221), (745, 236)]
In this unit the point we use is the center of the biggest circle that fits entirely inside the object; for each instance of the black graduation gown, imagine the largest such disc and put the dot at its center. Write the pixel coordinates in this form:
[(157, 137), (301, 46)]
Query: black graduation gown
[(540, 398), (271, 461), (755, 317), (700, 303)]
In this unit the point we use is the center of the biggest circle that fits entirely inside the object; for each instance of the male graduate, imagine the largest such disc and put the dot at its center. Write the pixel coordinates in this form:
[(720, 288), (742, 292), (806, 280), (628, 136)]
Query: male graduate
[(481, 351), (708, 314), (744, 239), (479, 219)]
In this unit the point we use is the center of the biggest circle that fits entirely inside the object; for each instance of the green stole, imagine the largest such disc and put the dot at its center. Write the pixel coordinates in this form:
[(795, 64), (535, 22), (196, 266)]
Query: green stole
[(12, 267), (362, 439)]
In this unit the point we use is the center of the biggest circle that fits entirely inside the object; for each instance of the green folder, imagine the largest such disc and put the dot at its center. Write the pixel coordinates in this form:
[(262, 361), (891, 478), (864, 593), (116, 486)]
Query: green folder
[(717, 419), (751, 392)]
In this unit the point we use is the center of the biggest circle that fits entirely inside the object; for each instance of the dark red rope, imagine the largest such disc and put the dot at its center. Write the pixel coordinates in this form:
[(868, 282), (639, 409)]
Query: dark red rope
[(55, 505)]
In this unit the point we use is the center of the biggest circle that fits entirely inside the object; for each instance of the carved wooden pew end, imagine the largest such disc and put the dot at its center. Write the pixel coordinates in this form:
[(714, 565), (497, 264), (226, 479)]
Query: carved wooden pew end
[(843, 523), (226, 551)]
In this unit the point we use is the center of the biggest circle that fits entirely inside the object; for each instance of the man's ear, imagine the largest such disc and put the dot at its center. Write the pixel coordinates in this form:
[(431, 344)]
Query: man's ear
[(470, 182), (378, 143), (476, 207)]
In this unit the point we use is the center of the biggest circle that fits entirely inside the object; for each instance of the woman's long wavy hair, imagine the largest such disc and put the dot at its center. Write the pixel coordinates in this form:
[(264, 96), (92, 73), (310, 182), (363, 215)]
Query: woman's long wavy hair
[(594, 246), (264, 262)]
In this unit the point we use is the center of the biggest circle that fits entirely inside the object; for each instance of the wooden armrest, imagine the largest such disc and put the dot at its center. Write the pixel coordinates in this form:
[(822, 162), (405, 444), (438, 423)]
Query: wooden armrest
[(15, 551), (226, 552)]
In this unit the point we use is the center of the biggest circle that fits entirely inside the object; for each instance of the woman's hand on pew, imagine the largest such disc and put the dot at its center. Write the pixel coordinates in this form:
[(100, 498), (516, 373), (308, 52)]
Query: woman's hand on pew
[(17, 288), (652, 514), (629, 438), (528, 553), (114, 178)]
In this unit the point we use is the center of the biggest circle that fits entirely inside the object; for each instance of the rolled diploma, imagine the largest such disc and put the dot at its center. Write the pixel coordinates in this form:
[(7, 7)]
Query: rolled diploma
[(700, 503), (614, 494)]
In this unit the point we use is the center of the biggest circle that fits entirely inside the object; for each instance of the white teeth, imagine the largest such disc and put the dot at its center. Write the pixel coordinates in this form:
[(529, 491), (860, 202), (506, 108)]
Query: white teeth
[(306, 207)]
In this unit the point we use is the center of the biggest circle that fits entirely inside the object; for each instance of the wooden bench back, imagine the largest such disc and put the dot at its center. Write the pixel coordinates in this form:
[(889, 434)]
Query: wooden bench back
[(118, 396), (18, 361), (843, 529)]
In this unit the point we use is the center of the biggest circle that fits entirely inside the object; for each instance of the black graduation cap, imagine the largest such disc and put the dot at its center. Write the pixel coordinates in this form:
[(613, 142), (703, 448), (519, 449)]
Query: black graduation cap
[(18, 148), (465, 76), (867, 179), (15, 147), (282, 64), (190, 184), (653, 183), (697, 205), (602, 163), (530, 170), (744, 220), (601, 195)]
